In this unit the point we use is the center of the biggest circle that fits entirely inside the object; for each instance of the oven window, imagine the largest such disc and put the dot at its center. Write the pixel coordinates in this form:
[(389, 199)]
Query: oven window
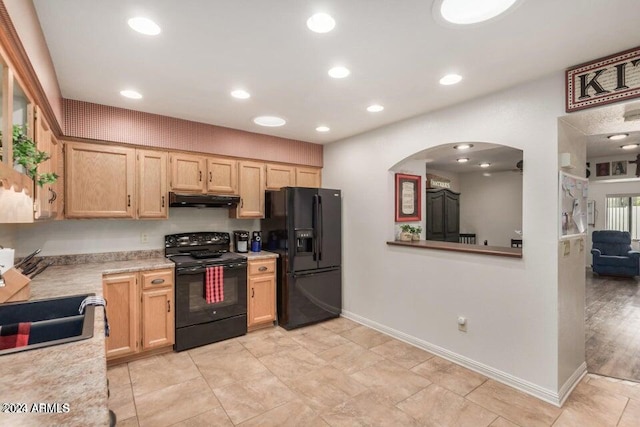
[(191, 303)]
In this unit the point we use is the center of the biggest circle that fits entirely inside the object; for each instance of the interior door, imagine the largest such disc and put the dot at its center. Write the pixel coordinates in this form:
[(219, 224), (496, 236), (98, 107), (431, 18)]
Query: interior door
[(330, 228)]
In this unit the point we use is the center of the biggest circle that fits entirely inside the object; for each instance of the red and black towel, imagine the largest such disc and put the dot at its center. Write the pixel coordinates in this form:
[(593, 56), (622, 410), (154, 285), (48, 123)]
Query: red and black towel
[(214, 285), (15, 335)]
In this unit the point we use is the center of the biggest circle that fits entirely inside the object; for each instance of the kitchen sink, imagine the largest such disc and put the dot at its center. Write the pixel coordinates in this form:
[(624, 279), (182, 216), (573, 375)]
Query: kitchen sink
[(53, 321)]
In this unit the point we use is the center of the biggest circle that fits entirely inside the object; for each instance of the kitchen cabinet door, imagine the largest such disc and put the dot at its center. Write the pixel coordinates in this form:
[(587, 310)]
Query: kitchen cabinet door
[(187, 172), (261, 292), (100, 181), (46, 206), (279, 176), (308, 177), (121, 293), (157, 318), (251, 185), (152, 184), (222, 176)]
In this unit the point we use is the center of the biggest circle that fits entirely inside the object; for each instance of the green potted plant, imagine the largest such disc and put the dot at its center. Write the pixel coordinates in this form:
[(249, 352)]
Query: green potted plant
[(416, 233), (27, 155), (406, 233)]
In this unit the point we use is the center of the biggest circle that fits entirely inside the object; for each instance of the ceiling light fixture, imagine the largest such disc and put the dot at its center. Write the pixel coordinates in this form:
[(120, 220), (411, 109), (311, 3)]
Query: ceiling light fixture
[(131, 94), (240, 94), (462, 160), (484, 165), (323, 129), (462, 146), (321, 23), (618, 136), (629, 146), (450, 79), (466, 12), (269, 121), (375, 108), (339, 72), (144, 26)]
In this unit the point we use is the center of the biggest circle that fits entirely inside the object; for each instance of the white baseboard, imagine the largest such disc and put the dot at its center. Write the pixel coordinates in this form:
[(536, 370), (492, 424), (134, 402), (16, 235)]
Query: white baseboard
[(535, 390)]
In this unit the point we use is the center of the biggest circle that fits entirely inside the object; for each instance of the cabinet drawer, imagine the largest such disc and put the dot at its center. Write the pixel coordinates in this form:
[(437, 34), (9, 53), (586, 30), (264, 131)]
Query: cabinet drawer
[(263, 266), (157, 278)]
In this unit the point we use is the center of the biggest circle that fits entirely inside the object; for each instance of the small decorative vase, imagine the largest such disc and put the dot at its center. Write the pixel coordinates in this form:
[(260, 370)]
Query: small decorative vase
[(405, 236)]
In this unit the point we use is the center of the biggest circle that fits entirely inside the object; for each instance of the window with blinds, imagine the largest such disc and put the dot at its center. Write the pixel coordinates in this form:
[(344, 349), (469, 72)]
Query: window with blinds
[(623, 214)]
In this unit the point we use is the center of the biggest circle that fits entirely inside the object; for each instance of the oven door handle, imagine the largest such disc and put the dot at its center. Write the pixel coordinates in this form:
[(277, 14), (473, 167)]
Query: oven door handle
[(199, 270)]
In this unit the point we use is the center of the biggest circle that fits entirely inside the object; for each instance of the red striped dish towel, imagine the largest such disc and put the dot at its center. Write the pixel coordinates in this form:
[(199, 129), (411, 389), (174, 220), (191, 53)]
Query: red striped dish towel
[(15, 335), (214, 287)]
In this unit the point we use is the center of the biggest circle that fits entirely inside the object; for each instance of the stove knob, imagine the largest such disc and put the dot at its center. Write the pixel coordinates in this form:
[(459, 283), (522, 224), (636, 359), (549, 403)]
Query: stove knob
[(171, 242)]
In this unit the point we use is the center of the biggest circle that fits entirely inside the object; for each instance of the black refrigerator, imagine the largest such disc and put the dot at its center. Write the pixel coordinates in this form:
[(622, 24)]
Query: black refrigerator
[(304, 226)]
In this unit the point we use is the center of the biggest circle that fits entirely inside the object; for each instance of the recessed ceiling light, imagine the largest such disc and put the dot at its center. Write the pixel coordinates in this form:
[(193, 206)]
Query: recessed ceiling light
[(629, 146), (240, 94), (485, 165), (462, 146), (465, 12), (321, 23), (323, 129), (618, 136), (486, 174), (132, 94), (462, 160), (269, 121), (339, 72), (144, 26), (450, 79), (375, 108)]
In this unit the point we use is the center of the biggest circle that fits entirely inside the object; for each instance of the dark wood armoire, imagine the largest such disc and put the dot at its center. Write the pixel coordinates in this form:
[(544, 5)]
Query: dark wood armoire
[(443, 215)]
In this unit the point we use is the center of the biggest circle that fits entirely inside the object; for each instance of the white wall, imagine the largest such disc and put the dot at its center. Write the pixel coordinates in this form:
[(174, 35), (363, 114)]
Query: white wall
[(571, 268), (511, 304), (491, 206), (94, 236)]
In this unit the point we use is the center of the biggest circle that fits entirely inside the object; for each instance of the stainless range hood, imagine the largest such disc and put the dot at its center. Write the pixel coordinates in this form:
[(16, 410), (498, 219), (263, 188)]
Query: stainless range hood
[(184, 200)]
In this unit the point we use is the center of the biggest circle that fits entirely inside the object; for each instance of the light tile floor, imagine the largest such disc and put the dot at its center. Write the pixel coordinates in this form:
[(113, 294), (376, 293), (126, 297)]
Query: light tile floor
[(340, 373)]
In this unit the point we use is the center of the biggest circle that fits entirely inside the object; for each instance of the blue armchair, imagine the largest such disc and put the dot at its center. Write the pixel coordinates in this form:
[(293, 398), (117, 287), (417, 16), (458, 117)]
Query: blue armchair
[(612, 254)]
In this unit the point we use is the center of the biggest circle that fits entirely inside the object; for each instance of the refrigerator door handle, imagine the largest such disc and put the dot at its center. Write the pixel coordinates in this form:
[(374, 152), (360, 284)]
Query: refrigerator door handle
[(321, 233), (315, 227)]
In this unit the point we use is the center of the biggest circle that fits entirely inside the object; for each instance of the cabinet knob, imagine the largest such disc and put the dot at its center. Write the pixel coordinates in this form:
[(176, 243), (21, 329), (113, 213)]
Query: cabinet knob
[(200, 173), (168, 306), (253, 292), (157, 281), (210, 177), (163, 201), (128, 200), (263, 268)]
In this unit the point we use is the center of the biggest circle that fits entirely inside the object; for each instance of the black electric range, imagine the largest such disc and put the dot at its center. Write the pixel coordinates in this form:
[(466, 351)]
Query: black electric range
[(200, 321)]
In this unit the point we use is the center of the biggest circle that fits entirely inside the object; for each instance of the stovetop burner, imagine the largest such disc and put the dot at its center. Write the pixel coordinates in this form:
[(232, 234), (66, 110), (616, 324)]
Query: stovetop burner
[(206, 254)]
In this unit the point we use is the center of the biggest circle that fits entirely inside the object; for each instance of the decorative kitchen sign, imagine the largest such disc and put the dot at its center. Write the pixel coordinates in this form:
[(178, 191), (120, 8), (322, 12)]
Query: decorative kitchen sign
[(408, 198), (435, 181), (603, 81)]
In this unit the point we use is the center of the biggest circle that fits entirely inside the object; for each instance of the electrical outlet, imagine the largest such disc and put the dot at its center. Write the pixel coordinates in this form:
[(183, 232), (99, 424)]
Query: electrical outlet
[(144, 238), (462, 324)]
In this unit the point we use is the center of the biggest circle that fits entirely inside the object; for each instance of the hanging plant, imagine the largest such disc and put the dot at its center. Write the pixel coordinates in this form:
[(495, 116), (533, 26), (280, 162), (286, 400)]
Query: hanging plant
[(26, 153)]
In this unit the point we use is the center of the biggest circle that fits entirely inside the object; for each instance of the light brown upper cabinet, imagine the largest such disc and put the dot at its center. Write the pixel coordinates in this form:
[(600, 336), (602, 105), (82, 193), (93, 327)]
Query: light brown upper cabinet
[(222, 175), (100, 181), (308, 177), (251, 186), (47, 204), (152, 184), (187, 172), (199, 174), (279, 176)]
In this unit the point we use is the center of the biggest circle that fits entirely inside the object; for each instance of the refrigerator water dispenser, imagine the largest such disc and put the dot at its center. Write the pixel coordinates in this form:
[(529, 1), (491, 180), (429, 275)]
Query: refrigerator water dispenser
[(304, 242)]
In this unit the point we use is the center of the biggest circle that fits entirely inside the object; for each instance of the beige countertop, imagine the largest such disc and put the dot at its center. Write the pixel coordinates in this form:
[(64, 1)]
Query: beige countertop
[(259, 255), (73, 373)]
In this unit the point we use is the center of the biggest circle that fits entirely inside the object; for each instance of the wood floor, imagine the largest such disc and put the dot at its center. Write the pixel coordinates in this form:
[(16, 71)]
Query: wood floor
[(613, 326)]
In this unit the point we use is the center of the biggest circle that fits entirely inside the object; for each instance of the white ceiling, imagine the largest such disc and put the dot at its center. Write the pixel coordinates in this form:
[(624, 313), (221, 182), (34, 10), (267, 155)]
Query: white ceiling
[(395, 49), (443, 158)]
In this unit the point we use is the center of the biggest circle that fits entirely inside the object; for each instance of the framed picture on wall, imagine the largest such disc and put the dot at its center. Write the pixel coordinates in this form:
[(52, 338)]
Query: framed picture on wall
[(408, 198), (619, 168), (602, 169)]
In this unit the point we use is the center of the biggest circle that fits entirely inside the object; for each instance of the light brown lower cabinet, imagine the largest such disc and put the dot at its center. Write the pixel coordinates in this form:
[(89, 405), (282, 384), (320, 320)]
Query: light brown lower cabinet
[(261, 293), (140, 309)]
